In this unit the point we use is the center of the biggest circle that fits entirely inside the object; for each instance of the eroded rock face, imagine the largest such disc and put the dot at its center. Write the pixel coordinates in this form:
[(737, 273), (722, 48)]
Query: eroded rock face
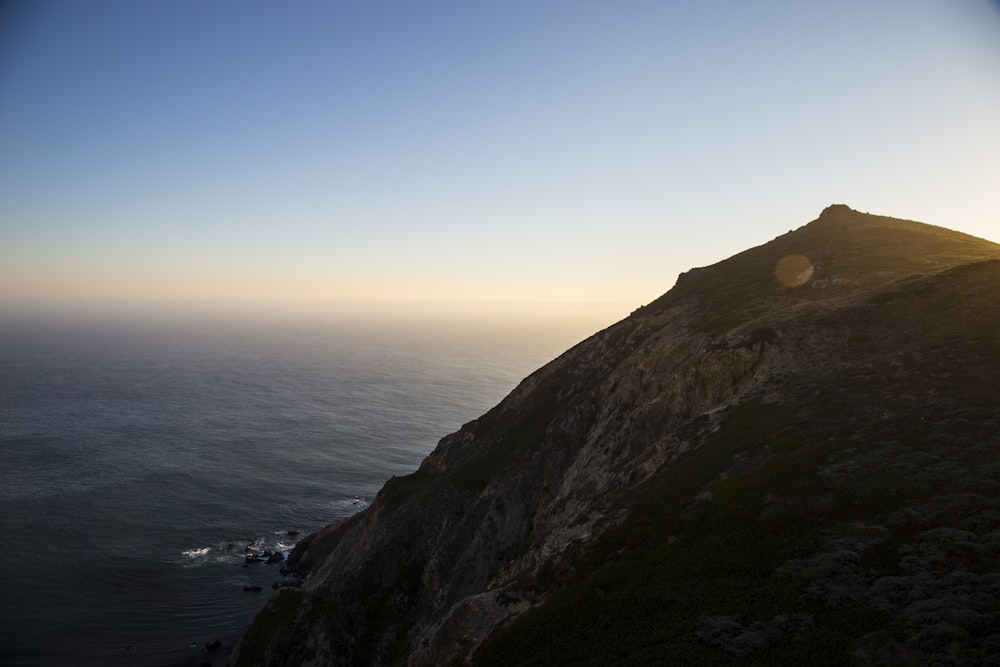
[(484, 530)]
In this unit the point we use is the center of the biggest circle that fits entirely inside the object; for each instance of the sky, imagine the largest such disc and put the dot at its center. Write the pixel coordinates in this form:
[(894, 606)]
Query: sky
[(542, 151)]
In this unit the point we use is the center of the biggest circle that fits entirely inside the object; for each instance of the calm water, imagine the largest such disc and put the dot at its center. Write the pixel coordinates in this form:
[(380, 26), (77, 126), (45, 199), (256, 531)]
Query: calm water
[(139, 456)]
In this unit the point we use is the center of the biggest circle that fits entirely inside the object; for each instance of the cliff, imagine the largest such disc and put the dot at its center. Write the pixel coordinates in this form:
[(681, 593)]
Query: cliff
[(792, 454)]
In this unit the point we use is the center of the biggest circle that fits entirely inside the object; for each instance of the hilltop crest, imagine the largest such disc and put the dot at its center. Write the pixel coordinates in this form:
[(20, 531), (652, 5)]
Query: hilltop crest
[(766, 461), (834, 211), (841, 252)]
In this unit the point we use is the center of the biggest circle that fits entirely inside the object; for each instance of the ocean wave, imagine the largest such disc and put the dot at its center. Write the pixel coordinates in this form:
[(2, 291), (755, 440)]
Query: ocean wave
[(195, 553), (283, 542)]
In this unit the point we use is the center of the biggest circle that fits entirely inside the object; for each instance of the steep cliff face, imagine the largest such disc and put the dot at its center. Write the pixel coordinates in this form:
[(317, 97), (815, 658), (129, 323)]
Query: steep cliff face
[(849, 321)]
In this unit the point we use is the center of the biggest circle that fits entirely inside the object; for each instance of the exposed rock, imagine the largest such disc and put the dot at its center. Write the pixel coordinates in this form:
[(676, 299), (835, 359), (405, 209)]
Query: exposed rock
[(674, 430)]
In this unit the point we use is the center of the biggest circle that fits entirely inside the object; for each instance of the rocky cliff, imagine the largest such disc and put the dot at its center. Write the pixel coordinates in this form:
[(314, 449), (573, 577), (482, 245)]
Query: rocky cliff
[(792, 454)]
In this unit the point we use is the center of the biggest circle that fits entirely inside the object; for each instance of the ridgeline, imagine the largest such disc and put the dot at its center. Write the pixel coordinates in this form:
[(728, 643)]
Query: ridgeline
[(792, 457)]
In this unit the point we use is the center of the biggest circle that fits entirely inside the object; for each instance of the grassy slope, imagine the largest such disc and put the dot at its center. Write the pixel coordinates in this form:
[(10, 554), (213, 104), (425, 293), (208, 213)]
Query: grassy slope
[(861, 510), (873, 525)]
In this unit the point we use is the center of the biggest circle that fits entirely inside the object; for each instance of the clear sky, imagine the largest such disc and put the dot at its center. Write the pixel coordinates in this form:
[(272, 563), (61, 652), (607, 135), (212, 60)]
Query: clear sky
[(511, 151)]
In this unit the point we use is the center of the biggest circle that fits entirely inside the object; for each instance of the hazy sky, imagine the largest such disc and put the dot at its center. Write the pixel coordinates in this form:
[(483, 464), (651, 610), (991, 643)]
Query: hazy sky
[(542, 150)]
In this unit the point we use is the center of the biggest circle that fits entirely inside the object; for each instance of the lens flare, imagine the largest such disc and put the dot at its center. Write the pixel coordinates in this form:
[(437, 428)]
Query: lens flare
[(793, 270)]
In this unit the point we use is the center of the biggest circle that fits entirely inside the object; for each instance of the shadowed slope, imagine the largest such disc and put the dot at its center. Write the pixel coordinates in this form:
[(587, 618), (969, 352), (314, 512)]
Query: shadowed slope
[(660, 489)]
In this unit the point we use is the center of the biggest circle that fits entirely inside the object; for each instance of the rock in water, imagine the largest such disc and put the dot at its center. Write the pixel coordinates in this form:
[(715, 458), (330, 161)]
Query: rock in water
[(765, 461)]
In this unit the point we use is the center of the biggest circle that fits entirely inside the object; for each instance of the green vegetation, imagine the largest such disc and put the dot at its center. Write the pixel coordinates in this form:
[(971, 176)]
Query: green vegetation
[(792, 562), (279, 613), (399, 488), (849, 251), (845, 509), (719, 323), (520, 433), (862, 518), (945, 302), (677, 563)]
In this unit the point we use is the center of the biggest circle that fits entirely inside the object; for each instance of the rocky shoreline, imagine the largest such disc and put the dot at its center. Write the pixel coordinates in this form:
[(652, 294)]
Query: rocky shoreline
[(261, 551), (636, 499)]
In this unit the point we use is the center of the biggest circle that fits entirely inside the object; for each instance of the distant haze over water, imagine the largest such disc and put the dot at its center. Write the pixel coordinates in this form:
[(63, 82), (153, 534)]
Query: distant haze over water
[(143, 447)]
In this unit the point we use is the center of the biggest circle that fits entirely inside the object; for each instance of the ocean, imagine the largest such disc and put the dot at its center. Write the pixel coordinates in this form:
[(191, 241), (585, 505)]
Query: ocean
[(145, 450)]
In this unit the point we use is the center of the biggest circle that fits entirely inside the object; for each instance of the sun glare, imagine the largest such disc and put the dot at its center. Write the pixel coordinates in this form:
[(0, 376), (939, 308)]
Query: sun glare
[(793, 270)]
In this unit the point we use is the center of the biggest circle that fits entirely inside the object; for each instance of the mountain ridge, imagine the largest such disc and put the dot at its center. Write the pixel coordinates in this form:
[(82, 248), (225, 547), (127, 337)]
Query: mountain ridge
[(522, 506)]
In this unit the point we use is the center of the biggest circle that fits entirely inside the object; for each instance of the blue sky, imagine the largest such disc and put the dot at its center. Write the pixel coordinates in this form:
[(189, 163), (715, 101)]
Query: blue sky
[(454, 151)]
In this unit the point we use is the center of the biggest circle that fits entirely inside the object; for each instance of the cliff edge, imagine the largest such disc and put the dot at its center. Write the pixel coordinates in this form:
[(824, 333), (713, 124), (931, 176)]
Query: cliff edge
[(769, 458)]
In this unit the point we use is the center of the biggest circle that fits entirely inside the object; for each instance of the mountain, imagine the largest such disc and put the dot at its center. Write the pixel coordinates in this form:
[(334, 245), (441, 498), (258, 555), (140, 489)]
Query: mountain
[(792, 457)]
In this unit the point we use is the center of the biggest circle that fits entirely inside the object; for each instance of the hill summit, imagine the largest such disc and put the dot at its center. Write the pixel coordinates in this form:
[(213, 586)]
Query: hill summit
[(791, 457)]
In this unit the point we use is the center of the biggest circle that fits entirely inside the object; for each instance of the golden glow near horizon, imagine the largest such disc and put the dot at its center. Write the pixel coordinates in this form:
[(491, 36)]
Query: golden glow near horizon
[(414, 153), (124, 285)]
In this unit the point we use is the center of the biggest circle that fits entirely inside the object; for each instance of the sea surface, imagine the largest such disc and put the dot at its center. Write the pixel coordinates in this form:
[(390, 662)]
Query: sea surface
[(144, 450)]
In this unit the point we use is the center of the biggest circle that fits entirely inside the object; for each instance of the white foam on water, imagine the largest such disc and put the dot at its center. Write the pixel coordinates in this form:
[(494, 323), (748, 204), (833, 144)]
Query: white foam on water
[(196, 553), (331, 409)]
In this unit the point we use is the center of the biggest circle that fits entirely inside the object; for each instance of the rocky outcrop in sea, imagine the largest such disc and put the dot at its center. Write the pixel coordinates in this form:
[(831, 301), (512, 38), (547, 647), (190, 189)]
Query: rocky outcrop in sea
[(754, 464)]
